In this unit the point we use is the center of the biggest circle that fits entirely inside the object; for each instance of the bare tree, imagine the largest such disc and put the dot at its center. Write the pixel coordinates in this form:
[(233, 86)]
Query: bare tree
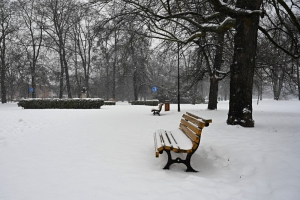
[(7, 27), (85, 38), (32, 42), (59, 15)]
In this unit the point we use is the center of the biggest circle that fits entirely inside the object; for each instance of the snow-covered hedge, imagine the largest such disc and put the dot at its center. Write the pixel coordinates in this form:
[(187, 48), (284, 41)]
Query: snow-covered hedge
[(148, 102), (88, 103)]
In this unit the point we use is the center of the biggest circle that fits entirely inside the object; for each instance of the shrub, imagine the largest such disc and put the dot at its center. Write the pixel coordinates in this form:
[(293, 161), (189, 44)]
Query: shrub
[(147, 103), (109, 103), (61, 103)]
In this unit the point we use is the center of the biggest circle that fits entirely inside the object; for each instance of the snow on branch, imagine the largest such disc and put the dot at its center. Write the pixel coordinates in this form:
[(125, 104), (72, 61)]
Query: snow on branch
[(232, 11), (204, 18), (209, 27)]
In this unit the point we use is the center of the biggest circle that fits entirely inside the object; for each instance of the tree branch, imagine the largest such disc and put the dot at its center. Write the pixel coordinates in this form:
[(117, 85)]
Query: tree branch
[(276, 44)]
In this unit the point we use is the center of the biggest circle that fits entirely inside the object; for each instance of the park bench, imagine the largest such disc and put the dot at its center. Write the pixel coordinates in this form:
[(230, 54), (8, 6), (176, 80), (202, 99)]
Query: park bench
[(186, 139), (157, 111)]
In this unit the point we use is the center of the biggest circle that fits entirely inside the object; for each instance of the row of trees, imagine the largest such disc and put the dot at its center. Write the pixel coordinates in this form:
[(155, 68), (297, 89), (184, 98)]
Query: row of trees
[(198, 21), (120, 49), (67, 45), (63, 46)]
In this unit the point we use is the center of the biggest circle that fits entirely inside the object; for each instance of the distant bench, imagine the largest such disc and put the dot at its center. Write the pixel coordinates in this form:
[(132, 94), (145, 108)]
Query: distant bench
[(184, 140), (157, 111)]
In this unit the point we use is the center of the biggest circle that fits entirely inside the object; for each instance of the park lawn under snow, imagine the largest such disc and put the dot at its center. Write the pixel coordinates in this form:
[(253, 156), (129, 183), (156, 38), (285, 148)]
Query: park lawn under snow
[(108, 153)]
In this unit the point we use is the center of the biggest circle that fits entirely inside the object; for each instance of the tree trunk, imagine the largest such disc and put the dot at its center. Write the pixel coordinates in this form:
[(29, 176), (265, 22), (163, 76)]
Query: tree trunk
[(77, 77), (67, 74), (33, 85), (213, 93), (195, 88), (261, 85), (87, 86), (61, 78), (3, 85), (135, 86), (33, 81), (298, 79), (242, 69), (114, 69), (113, 95), (107, 85), (3, 70), (214, 82), (278, 77)]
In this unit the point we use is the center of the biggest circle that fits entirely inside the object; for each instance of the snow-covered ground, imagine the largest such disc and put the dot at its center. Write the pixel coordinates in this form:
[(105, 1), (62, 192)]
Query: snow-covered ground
[(108, 153)]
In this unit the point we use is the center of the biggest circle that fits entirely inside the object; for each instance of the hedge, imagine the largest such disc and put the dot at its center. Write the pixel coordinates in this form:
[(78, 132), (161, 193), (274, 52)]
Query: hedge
[(109, 103), (86, 103), (147, 103)]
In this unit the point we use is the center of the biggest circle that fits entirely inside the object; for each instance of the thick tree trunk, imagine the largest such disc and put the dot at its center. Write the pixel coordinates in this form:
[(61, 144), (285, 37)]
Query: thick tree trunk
[(242, 69)]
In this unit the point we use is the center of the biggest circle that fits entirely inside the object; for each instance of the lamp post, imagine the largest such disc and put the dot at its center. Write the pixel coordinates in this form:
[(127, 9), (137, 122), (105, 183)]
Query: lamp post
[(178, 78)]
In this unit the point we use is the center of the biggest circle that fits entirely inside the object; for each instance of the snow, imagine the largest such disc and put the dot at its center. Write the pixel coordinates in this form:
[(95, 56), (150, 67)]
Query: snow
[(108, 153)]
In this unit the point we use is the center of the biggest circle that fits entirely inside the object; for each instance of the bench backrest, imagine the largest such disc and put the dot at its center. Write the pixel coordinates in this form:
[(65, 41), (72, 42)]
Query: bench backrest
[(192, 126), (160, 106)]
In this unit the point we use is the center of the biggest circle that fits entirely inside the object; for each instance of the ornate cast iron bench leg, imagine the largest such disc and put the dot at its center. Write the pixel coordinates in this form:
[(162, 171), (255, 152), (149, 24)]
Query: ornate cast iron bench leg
[(187, 161)]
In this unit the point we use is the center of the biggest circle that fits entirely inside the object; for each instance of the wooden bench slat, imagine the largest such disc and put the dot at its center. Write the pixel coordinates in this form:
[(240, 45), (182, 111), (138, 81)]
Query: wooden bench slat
[(195, 129), (195, 121), (175, 146), (155, 146), (167, 145), (189, 133), (207, 121), (183, 143), (159, 146)]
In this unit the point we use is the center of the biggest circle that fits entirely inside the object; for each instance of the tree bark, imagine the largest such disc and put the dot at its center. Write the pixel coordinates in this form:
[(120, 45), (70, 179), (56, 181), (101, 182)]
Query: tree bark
[(298, 79), (278, 77), (214, 82), (242, 68), (114, 68), (33, 82), (213, 93), (61, 78), (67, 73), (194, 97), (3, 85), (3, 68), (135, 86)]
